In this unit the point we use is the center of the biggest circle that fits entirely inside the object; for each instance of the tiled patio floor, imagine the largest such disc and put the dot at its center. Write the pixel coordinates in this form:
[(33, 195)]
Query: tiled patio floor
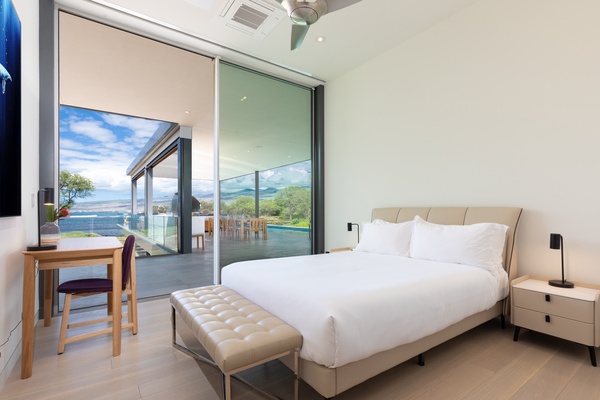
[(161, 275)]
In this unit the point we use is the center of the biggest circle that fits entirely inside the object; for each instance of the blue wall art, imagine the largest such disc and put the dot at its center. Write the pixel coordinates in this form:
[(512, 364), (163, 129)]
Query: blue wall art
[(10, 111)]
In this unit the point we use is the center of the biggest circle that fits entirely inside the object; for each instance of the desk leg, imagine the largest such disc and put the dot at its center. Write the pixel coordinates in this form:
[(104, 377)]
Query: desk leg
[(48, 275), (116, 300), (28, 317)]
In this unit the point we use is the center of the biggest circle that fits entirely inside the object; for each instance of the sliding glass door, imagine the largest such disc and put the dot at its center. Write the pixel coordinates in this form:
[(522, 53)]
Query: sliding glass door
[(265, 139), (265, 168)]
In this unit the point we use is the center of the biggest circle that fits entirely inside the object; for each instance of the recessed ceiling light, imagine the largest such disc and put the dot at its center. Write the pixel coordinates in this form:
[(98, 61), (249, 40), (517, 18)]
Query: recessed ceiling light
[(187, 111), (243, 98), (320, 39)]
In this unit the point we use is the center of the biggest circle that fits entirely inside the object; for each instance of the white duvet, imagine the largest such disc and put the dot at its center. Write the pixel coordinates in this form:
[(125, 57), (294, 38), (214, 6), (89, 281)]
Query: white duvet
[(350, 305)]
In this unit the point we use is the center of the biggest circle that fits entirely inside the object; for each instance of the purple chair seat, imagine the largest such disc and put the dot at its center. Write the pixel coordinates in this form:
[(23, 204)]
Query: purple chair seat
[(90, 285)]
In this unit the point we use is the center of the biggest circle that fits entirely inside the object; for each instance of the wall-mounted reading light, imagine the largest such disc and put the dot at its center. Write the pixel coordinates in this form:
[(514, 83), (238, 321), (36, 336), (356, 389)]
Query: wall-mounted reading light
[(357, 229)]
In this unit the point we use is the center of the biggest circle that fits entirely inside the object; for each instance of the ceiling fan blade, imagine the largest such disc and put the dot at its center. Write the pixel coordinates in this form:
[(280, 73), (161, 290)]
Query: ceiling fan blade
[(334, 5), (298, 34)]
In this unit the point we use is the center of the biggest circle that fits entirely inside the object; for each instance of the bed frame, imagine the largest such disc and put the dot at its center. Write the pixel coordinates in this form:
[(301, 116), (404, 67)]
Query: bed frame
[(330, 382)]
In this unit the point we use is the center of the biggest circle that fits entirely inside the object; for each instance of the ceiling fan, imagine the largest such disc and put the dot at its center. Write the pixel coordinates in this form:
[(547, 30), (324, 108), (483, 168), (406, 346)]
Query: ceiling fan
[(304, 13)]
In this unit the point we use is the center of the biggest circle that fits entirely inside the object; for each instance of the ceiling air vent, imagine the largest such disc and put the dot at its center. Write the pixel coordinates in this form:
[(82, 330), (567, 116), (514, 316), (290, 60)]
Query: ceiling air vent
[(253, 17)]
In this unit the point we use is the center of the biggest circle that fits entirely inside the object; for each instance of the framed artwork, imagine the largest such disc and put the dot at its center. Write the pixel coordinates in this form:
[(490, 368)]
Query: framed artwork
[(10, 110)]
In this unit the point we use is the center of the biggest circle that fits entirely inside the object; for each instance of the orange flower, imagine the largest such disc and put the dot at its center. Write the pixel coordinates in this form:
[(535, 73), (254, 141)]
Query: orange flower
[(52, 214)]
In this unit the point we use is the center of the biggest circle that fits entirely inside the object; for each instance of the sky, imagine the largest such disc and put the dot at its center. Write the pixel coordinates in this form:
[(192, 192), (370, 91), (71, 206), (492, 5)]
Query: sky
[(100, 146)]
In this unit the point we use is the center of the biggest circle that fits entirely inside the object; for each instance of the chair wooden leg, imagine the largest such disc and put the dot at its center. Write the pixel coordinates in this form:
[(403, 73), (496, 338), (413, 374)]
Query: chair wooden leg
[(133, 316), (64, 324), (133, 297)]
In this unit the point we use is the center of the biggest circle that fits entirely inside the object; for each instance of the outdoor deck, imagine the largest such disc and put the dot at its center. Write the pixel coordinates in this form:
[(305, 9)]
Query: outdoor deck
[(160, 275), (164, 274)]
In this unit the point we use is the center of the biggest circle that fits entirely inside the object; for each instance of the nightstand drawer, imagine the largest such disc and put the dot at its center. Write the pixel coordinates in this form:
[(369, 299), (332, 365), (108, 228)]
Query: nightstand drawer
[(573, 309), (565, 328)]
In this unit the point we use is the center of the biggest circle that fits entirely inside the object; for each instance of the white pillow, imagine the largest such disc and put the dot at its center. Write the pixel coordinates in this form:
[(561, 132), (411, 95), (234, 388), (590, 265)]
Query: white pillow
[(386, 238), (480, 245)]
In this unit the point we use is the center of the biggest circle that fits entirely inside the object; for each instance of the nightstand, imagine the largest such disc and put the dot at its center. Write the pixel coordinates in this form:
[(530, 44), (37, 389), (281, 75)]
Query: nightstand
[(571, 314)]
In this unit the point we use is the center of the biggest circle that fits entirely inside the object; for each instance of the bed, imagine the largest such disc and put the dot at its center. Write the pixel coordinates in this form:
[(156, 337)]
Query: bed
[(365, 311)]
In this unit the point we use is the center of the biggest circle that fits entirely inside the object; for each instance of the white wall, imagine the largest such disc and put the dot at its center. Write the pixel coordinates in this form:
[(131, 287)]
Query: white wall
[(497, 106), (16, 232)]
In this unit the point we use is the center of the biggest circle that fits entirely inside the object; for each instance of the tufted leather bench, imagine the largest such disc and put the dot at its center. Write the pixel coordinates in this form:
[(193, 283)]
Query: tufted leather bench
[(236, 333)]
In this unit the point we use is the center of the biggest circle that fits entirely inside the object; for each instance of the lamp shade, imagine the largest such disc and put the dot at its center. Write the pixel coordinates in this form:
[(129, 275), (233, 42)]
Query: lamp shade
[(555, 239), (48, 196)]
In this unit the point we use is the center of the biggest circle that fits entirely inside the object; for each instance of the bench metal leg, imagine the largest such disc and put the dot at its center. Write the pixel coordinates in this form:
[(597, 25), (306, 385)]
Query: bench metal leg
[(174, 328), (227, 386), (296, 375), (227, 377)]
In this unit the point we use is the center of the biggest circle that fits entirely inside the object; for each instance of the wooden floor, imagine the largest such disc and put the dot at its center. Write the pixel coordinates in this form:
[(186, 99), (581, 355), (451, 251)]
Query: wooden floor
[(484, 363)]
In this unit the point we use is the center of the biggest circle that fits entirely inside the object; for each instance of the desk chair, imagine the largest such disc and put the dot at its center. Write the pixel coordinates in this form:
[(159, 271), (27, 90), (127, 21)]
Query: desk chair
[(93, 286)]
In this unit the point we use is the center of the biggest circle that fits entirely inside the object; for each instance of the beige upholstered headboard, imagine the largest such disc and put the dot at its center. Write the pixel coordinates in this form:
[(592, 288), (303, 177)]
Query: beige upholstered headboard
[(508, 216)]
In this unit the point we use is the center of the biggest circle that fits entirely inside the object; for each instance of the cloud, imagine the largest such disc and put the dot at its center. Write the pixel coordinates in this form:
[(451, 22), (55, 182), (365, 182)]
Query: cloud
[(141, 129), (101, 146), (93, 130), (68, 144)]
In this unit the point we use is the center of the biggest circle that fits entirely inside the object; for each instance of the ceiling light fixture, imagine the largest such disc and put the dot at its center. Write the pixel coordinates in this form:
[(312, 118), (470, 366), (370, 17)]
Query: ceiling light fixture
[(320, 39), (243, 98)]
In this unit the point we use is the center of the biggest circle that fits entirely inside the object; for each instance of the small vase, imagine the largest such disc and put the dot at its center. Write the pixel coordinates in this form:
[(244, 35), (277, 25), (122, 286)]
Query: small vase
[(50, 232)]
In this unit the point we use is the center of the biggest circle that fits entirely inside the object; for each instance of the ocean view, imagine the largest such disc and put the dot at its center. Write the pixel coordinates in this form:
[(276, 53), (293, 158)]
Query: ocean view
[(104, 223)]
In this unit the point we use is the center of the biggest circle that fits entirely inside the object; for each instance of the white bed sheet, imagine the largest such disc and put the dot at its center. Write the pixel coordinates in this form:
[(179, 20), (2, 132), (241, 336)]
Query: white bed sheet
[(350, 305)]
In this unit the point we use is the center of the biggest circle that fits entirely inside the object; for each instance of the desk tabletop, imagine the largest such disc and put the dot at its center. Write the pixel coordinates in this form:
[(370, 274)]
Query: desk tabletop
[(66, 245)]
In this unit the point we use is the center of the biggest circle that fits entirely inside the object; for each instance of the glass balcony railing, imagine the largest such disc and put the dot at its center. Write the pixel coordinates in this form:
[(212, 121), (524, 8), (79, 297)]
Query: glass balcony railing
[(155, 234)]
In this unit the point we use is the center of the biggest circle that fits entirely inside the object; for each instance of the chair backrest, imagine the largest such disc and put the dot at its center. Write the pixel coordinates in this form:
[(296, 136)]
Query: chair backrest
[(255, 224), (127, 255), (197, 225)]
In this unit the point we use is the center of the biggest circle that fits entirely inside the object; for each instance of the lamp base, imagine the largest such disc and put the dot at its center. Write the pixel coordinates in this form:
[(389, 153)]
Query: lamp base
[(559, 283), (41, 247)]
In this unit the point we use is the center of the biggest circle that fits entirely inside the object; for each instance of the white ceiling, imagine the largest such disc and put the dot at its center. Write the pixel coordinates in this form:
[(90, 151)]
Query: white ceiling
[(353, 35), (110, 70)]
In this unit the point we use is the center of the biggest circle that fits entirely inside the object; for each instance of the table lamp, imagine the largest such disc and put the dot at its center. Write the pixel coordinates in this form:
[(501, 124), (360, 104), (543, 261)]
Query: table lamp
[(48, 201), (556, 242)]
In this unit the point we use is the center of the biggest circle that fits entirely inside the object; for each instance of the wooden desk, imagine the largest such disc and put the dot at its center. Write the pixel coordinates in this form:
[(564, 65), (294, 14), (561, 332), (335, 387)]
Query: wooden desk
[(76, 252)]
